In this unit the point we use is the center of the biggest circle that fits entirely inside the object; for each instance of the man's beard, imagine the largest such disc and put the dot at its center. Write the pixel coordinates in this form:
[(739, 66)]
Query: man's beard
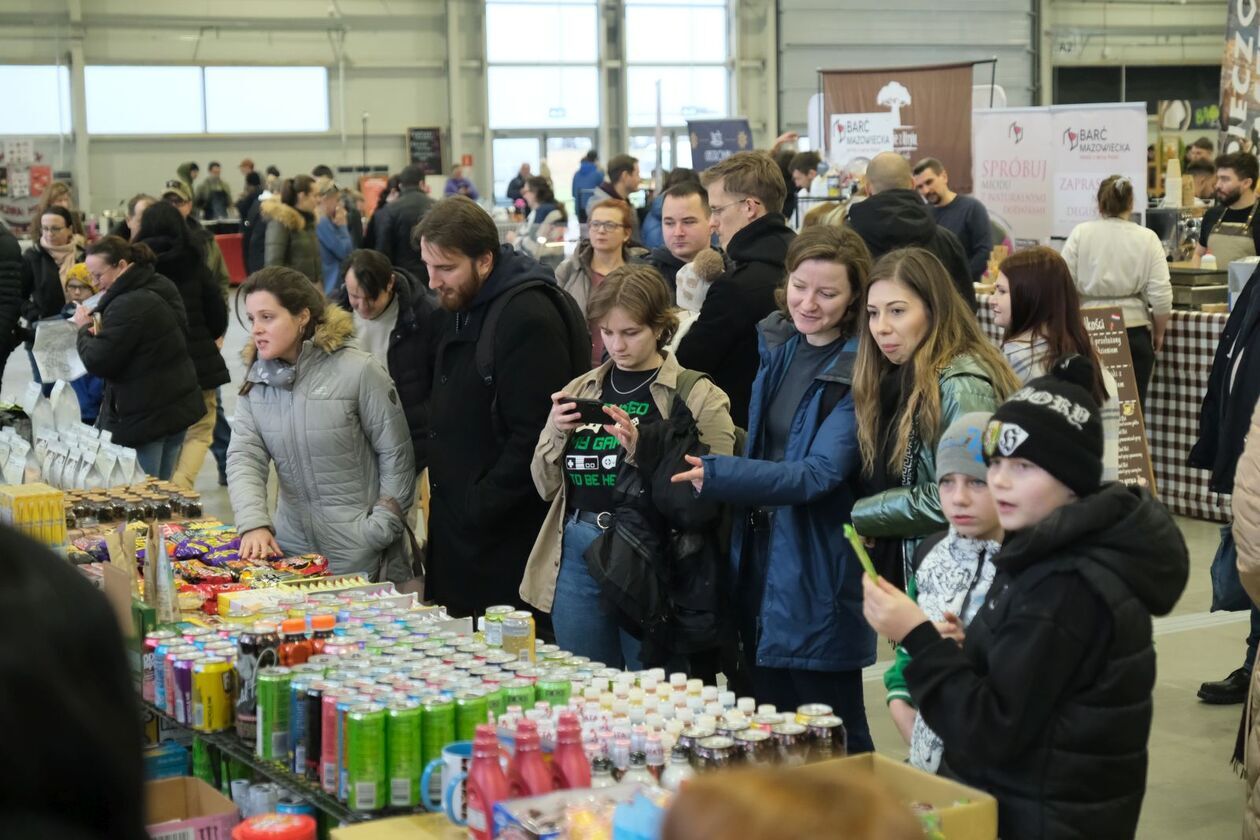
[(1229, 199)]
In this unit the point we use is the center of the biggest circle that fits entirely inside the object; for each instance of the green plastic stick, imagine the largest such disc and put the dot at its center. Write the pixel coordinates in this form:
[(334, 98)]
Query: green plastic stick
[(860, 550)]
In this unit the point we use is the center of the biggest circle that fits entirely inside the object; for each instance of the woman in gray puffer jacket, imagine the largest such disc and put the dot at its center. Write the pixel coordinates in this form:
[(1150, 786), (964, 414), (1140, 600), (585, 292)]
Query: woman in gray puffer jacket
[(328, 416)]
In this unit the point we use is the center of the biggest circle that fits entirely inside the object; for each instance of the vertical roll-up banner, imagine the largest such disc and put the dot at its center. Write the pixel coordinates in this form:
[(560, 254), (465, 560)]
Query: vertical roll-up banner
[(916, 111), (1013, 176), (1240, 79), (1090, 143)]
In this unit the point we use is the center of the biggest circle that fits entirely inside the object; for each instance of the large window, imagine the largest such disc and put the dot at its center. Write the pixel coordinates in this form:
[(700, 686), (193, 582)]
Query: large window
[(542, 58), (113, 94), (198, 100), (36, 99), (246, 100), (685, 46)]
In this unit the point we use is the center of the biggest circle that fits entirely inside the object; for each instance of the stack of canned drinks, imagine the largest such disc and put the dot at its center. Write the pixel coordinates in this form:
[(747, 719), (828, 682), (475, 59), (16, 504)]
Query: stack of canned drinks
[(361, 707)]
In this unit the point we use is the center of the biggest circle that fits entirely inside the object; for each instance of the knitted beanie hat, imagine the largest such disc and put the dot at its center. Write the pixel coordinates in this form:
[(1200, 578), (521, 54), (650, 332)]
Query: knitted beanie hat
[(1055, 423)]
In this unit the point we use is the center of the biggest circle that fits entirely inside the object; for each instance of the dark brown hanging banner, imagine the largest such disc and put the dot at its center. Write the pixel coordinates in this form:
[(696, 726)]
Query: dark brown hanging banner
[(925, 110)]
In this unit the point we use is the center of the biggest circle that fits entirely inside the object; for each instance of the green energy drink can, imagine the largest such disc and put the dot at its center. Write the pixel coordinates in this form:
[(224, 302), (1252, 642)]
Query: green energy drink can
[(437, 727), (471, 709), (519, 692), (365, 753), (271, 741), (495, 701), (554, 689), (402, 753)]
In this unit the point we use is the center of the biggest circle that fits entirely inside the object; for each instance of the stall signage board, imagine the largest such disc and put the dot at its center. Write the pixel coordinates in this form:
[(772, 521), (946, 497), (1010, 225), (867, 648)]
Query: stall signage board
[(424, 146), (860, 136), (713, 141), (1090, 143), (1038, 169), (1011, 168), (1106, 329)]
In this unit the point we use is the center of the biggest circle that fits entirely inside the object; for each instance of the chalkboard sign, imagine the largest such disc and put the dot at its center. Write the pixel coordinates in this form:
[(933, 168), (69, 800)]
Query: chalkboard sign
[(424, 146), (1106, 330)]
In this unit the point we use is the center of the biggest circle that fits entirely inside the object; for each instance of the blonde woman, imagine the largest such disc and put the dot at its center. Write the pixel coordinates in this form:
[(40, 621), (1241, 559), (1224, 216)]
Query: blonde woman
[(922, 363)]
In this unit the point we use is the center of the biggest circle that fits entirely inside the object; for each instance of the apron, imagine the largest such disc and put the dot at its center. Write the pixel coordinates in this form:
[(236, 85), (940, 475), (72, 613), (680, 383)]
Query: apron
[(1230, 241)]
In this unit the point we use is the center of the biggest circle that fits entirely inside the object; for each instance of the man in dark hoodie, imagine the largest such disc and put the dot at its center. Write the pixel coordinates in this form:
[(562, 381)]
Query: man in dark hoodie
[(1047, 703), (895, 216), (485, 512), (745, 194), (685, 220)]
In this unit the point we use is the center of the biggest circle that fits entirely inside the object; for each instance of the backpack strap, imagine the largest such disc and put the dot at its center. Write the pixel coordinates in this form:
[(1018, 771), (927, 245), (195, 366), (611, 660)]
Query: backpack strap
[(687, 380), (578, 334)]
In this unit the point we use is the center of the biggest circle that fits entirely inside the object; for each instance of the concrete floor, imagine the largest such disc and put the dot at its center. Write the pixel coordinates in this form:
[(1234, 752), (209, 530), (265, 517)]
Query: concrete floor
[(1192, 793)]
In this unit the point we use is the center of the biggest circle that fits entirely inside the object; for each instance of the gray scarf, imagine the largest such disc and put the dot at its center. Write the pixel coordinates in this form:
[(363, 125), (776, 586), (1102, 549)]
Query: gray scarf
[(274, 372)]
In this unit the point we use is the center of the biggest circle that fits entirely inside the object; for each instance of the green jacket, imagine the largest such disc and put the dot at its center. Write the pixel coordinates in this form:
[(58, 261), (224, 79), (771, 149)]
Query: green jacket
[(912, 513)]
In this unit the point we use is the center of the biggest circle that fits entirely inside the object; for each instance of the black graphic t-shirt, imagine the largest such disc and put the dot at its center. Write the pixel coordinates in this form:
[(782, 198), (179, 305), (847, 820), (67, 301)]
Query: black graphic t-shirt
[(593, 456)]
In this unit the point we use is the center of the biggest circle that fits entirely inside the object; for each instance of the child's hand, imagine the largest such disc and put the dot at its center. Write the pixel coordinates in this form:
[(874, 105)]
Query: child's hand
[(951, 628), (903, 715), (889, 610)]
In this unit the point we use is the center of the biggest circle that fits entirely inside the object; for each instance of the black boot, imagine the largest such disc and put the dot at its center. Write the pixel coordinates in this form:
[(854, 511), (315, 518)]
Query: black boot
[(1231, 690)]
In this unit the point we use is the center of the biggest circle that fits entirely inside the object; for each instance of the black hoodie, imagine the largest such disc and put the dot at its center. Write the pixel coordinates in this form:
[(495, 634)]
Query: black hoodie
[(485, 511), (1047, 705), (900, 219), (185, 266), (723, 340)]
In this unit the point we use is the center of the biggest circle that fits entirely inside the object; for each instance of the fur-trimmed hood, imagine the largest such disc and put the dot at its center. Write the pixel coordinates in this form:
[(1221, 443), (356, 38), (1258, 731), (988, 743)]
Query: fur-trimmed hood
[(274, 208), (330, 336)]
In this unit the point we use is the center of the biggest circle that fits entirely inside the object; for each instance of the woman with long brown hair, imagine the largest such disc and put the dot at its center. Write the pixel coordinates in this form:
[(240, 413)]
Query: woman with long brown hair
[(922, 363), (1036, 304)]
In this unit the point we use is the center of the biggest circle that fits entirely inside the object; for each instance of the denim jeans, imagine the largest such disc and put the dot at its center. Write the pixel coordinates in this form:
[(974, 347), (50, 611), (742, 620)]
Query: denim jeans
[(159, 457), (222, 436), (582, 626)]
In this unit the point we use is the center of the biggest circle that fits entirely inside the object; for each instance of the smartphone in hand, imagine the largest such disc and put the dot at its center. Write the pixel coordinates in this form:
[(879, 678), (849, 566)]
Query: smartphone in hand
[(591, 411)]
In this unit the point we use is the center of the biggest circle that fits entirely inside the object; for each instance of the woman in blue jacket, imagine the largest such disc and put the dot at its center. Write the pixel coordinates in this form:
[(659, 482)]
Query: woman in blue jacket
[(798, 588)]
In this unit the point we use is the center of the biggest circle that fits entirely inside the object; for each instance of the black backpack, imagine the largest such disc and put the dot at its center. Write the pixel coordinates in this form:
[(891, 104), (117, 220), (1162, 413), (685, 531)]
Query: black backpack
[(579, 336)]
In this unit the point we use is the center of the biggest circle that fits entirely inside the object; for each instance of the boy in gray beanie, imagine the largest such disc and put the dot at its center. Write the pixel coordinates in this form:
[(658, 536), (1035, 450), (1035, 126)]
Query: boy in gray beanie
[(952, 570)]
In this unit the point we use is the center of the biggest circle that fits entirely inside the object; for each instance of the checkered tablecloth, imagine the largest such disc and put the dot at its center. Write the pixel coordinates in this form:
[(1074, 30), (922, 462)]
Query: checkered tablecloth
[(1175, 396)]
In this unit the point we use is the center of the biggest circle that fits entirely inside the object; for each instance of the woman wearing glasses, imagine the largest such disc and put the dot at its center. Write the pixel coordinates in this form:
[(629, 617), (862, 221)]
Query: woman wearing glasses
[(607, 249), (44, 270)]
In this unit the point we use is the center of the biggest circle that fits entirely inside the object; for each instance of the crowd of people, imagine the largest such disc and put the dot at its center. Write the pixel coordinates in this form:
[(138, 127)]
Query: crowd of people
[(655, 442)]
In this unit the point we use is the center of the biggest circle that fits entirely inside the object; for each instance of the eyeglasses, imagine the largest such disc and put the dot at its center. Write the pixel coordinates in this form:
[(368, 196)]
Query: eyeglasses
[(606, 226), (47, 229), (717, 209)]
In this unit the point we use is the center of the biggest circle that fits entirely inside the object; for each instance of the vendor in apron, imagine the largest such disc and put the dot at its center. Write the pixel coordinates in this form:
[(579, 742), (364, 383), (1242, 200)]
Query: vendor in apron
[(1229, 229)]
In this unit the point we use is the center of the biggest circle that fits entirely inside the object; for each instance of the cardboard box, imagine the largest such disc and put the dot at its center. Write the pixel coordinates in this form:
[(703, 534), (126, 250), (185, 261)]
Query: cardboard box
[(966, 813), (188, 809)]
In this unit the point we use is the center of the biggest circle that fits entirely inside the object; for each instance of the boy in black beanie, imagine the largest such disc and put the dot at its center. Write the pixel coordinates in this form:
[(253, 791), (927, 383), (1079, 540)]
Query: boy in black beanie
[(1047, 704)]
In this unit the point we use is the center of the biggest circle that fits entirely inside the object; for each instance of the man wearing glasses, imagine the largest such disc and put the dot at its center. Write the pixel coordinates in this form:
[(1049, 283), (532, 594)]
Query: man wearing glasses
[(746, 193)]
